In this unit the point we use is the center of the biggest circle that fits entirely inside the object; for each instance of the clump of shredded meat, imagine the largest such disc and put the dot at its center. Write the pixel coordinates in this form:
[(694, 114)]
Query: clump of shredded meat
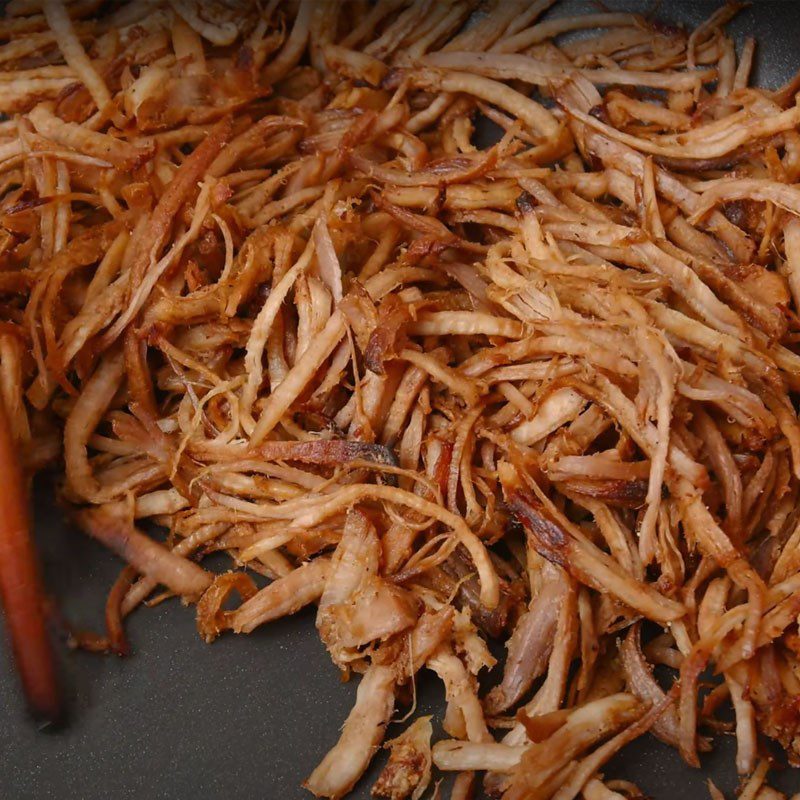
[(267, 290)]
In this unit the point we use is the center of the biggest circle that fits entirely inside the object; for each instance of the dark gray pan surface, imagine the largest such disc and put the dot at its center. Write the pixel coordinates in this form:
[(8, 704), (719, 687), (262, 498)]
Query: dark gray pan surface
[(251, 716)]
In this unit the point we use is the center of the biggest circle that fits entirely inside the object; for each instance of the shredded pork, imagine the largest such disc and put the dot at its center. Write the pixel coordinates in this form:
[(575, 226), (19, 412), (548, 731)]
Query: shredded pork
[(266, 286)]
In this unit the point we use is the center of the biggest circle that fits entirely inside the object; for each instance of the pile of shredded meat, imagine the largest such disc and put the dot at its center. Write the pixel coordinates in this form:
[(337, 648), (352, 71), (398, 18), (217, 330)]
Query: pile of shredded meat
[(267, 291)]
